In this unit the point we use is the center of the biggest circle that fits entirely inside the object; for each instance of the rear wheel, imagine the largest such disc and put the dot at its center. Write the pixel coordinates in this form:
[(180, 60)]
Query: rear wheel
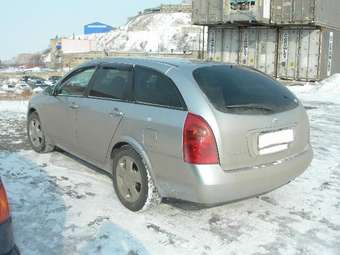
[(132, 181), (36, 136)]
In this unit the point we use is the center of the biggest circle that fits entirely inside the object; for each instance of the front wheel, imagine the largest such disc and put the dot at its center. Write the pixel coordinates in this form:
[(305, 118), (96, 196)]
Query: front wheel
[(36, 136), (132, 181)]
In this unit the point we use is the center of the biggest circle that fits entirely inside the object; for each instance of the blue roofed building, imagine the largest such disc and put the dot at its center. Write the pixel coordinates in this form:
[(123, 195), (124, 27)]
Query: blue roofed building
[(97, 27)]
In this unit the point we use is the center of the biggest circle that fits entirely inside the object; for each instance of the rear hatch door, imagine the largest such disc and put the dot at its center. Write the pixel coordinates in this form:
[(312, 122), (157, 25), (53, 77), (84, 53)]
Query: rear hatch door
[(258, 121)]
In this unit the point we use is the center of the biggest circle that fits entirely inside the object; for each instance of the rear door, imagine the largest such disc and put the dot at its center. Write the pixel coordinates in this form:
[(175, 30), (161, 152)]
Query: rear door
[(156, 118), (100, 114)]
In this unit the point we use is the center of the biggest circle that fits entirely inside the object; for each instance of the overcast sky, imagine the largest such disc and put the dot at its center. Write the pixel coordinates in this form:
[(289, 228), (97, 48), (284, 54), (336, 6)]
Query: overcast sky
[(27, 25)]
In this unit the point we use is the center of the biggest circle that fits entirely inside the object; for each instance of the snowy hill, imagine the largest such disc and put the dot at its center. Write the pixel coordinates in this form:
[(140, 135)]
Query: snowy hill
[(154, 32)]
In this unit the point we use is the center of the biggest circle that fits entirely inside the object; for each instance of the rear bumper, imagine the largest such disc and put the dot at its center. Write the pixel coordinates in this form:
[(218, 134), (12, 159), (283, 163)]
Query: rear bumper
[(6, 238), (211, 185)]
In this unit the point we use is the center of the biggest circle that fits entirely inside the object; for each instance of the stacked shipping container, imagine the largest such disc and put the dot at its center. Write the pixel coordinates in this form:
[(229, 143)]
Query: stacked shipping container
[(323, 13), (307, 53), (255, 47), (209, 12), (297, 40), (296, 53)]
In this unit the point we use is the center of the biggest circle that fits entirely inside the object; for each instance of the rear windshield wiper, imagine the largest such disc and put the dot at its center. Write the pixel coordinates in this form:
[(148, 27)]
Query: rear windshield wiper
[(250, 107)]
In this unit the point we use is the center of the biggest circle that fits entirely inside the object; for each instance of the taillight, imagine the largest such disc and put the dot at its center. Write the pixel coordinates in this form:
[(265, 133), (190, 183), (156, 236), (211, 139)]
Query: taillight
[(4, 207), (199, 144)]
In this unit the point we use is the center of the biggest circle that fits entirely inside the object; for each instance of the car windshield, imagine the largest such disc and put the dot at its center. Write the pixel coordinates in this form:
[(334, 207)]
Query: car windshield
[(238, 89)]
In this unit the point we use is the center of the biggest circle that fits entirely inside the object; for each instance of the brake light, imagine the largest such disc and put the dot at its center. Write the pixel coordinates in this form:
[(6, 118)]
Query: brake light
[(199, 144), (4, 207)]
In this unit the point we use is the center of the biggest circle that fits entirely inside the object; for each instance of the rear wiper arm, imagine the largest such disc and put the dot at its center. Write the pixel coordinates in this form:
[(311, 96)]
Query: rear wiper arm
[(250, 106)]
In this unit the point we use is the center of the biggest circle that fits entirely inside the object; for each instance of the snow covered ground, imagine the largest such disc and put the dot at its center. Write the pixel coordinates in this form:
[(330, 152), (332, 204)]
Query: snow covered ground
[(22, 69), (62, 206)]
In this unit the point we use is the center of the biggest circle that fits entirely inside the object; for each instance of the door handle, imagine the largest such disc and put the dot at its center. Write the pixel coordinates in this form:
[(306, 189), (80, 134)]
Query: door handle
[(74, 106), (116, 112)]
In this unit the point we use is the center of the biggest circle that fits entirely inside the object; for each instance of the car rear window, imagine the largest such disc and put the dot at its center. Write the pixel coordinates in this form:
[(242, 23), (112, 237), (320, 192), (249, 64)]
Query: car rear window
[(238, 89)]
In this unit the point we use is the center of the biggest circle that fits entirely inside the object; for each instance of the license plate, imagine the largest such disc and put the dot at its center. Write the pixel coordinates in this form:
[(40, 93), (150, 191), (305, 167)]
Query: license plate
[(278, 138)]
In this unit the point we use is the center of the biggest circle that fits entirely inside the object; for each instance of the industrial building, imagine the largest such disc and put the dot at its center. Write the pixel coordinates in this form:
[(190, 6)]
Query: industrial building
[(68, 46), (62, 47), (97, 28), (287, 39)]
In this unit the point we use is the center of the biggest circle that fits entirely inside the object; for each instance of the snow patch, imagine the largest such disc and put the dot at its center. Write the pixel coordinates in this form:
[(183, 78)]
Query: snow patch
[(327, 90), (14, 106)]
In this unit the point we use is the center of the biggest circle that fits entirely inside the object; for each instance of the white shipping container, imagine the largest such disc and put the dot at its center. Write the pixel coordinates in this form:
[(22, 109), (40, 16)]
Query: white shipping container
[(207, 12), (215, 11), (212, 12), (247, 11), (211, 43), (253, 46), (307, 53), (325, 13), (258, 46), (215, 43), (293, 53), (200, 12), (231, 45)]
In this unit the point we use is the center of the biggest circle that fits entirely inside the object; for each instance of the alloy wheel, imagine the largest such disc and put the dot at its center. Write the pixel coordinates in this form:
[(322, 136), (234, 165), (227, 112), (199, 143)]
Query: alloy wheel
[(35, 133), (129, 179)]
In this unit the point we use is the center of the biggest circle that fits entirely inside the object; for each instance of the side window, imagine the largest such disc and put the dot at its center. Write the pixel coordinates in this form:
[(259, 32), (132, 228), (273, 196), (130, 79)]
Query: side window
[(111, 83), (155, 88), (76, 84)]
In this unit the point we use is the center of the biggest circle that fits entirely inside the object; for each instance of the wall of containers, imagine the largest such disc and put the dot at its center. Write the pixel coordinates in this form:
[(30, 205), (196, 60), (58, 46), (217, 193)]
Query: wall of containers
[(287, 39)]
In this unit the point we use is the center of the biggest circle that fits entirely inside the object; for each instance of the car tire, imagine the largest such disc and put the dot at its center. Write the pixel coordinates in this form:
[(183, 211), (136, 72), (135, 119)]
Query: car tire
[(132, 181), (37, 138)]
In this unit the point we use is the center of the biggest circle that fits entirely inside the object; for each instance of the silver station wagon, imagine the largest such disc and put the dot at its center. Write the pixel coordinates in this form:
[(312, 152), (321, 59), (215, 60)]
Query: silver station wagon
[(203, 132)]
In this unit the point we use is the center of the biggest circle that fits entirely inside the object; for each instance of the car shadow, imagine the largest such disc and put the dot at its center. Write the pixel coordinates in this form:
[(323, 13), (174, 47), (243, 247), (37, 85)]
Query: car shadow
[(111, 239), (79, 160), (44, 220), (36, 202), (184, 205), (179, 204)]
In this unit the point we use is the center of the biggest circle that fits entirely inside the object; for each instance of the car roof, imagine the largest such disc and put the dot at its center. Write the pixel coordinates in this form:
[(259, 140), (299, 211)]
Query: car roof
[(159, 64)]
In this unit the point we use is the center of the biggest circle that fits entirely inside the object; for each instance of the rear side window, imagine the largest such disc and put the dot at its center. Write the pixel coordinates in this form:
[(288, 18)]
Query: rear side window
[(154, 88), (242, 90), (111, 83)]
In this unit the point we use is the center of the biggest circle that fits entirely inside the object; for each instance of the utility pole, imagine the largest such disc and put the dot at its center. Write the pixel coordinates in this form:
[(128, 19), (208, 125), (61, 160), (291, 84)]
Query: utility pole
[(203, 47), (199, 44)]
